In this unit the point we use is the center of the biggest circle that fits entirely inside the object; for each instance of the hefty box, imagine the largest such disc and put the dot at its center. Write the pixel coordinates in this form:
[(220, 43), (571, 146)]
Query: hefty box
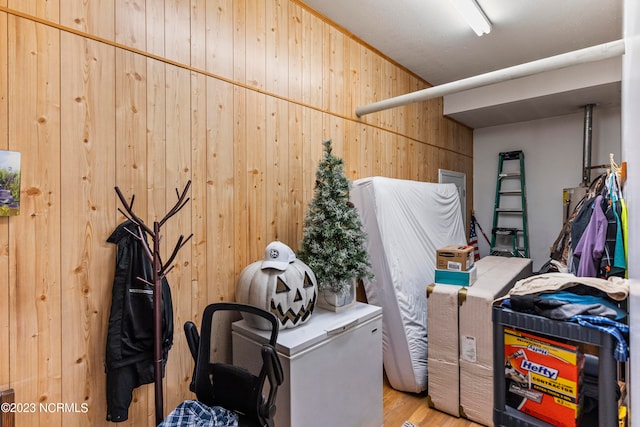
[(543, 377), (454, 257)]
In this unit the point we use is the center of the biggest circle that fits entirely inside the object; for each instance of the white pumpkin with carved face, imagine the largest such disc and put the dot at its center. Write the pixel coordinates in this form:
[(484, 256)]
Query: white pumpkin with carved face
[(290, 294)]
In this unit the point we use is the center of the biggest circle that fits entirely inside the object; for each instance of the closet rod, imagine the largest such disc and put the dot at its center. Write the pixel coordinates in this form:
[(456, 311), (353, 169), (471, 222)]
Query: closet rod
[(599, 167), (580, 56)]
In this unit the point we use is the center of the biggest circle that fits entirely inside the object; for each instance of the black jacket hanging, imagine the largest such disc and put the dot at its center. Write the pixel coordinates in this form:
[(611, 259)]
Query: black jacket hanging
[(129, 350)]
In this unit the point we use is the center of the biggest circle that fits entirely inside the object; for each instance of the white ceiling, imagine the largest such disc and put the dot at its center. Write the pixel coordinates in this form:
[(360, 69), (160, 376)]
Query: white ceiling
[(429, 38)]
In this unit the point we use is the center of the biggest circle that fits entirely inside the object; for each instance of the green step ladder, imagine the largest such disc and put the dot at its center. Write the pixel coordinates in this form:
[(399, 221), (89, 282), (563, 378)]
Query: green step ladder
[(509, 234)]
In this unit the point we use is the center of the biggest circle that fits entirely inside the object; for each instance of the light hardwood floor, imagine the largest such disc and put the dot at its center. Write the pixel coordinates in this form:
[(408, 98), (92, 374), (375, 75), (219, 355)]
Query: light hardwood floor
[(400, 407)]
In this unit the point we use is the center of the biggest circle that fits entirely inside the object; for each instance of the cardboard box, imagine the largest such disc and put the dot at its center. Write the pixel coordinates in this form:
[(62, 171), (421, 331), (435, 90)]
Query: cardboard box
[(460, 361), (543, 377), (459, 278), (496, 275), (455, 257), (443, 371)]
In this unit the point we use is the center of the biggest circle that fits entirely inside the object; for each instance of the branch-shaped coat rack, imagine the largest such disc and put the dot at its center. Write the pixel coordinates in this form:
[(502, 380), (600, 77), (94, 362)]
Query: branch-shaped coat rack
[(160, 270)]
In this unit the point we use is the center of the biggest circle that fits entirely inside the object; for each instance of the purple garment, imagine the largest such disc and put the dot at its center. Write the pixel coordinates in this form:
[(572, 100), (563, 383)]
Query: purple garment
[(591, 244)]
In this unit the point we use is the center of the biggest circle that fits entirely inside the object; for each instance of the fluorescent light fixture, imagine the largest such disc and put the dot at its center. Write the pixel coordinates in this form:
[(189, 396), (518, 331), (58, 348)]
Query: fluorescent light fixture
[(474, 15)]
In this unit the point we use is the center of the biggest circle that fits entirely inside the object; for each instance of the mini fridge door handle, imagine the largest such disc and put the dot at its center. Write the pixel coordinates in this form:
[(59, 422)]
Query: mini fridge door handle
[(342, 328)]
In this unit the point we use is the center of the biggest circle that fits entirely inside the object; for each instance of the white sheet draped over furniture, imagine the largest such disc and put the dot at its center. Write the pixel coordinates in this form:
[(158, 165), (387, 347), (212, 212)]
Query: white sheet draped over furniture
[(406, 221)]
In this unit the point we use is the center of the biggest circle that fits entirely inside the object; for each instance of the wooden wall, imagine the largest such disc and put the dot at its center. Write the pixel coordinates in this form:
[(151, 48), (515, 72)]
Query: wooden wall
[(235, 95)]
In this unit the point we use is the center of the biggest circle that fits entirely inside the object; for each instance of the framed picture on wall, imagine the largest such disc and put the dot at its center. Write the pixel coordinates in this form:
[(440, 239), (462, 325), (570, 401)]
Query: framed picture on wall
[(9, 183)]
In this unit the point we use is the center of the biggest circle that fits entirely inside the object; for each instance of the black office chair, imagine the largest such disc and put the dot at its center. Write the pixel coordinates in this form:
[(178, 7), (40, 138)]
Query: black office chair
[(232, 387)]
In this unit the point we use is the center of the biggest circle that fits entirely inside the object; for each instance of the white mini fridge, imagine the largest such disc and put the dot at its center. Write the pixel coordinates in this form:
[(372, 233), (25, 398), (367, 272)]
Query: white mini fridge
[(332, 367)]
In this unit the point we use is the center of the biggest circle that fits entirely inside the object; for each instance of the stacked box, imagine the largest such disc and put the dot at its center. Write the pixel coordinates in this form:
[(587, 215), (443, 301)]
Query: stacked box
[(496, 275), (459, 328), (543, 377), (455, 257), (443, 368), (458, 278)]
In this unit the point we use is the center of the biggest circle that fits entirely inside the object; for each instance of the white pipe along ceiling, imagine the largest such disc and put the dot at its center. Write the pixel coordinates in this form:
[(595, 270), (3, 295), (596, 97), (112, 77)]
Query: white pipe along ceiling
[(576, 57)]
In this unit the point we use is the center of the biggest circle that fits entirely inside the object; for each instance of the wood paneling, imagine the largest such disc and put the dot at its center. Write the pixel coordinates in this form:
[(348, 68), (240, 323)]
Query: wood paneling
[(335, 68), (255, 141), (293, 192), (278, 179), (179, 143), (35, 235), (5, 333), (311, 31), (93, 17), (198, 35), (219, 43), (239, 49), (236, 96), (255, 43), (87, 146), (129, 23), (295, 56), (199, 187), (129, 82), (177, 30), (43, 9), (221, 190), (155, 27)]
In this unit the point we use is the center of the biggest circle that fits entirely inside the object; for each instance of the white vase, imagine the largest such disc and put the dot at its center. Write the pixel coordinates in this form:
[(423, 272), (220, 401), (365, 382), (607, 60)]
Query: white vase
[(332, 301)]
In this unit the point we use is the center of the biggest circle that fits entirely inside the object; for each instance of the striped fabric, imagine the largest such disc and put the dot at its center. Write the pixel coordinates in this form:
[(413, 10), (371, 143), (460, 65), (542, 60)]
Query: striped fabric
[(192, 413), (616, 329)]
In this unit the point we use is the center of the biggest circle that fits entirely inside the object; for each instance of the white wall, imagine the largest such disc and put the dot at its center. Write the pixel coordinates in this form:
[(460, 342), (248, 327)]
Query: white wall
[(553, 161), (631, 154)]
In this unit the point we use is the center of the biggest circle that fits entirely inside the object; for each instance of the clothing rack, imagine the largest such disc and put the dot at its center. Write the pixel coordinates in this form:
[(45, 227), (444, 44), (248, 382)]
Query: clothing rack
[(160, 270)]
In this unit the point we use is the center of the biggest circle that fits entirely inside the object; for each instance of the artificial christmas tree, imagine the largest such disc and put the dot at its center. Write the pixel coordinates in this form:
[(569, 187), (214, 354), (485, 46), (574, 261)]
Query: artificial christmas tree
[(333, 242)]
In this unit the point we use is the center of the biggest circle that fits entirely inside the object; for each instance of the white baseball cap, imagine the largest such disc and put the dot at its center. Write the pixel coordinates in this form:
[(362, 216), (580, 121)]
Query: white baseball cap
[(277, 255)]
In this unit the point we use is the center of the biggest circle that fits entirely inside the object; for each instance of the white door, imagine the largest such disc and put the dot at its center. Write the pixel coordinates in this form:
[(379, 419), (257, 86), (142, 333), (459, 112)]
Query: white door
[(460, 180)]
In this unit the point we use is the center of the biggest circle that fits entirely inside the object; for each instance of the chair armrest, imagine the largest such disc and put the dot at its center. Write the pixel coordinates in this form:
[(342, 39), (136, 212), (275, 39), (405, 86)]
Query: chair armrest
[(193, 339)]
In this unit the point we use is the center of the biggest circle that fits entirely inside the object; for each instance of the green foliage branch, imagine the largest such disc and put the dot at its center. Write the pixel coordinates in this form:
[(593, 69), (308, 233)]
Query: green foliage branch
[(333, 241)]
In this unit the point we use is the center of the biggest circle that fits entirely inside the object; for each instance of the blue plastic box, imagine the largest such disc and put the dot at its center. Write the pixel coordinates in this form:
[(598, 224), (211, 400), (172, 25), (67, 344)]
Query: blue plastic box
[(459, 278)]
